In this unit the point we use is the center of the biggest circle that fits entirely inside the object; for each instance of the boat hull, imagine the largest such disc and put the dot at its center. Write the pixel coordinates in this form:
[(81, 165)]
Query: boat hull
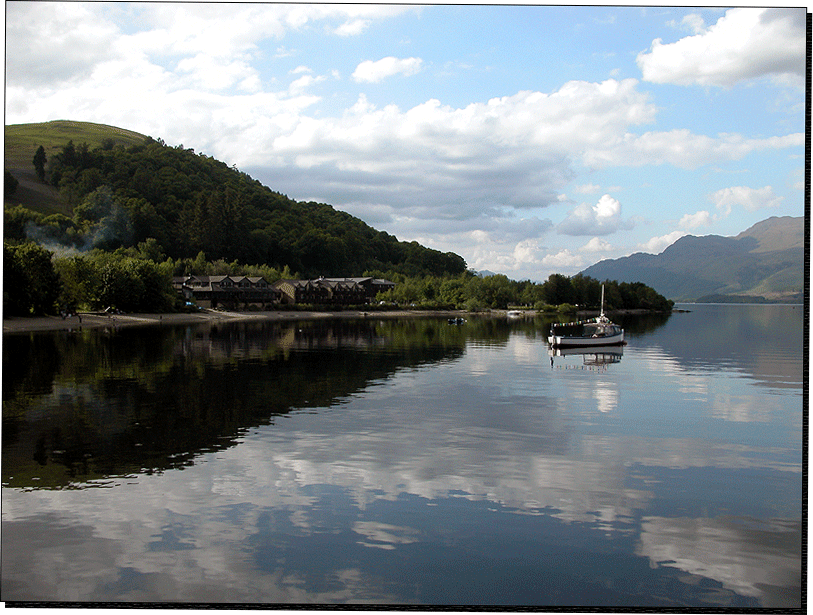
[(572, 341)]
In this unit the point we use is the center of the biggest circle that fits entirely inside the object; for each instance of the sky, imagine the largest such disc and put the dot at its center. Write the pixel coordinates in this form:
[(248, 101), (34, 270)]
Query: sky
[(530, 140)]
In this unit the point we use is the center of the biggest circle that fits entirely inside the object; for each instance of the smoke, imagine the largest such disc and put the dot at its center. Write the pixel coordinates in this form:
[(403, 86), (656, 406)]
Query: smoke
[(53, 239), (111, 232)]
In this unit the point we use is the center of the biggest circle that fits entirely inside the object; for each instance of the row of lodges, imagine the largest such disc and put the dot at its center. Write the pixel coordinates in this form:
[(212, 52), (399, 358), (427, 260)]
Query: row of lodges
[(232, 291)]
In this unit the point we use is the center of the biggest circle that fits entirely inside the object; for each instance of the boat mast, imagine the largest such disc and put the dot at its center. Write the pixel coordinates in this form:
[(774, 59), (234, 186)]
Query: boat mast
[(601, 315)]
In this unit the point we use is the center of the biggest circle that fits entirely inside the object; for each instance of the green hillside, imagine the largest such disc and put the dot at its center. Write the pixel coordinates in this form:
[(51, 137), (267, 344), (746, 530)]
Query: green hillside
[(22, 141), (109, 188)]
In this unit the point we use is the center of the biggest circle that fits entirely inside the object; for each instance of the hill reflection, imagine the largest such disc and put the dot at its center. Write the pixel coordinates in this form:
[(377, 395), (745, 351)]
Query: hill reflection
[(84, 406)]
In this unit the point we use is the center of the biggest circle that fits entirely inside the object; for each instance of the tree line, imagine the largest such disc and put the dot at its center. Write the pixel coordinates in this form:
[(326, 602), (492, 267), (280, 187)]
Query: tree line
[(558, 293), (139, 279)]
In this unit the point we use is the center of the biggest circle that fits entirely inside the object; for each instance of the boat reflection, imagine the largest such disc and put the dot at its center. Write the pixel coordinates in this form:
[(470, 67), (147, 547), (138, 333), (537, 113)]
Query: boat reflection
[(595, 356)]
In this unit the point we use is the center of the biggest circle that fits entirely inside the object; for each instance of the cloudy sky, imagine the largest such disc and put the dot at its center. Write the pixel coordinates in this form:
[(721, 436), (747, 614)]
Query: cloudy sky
[(528, 139)]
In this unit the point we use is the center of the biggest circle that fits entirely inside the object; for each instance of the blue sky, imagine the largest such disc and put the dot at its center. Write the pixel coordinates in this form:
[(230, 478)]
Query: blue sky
[(528, 139)]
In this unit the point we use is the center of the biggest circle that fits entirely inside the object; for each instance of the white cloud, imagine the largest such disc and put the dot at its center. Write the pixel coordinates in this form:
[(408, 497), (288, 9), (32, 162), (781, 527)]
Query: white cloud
[(695, 220), (681, 148), (374, 72), (57, 46), (602, 218), (49, 48), (514, 151), (305, 81), (198, 75), (596, 245), (744, 44), (656, 245), (563, 259), (210, 73), (353, 27), (693, 23), (528, 252), (751, 199)]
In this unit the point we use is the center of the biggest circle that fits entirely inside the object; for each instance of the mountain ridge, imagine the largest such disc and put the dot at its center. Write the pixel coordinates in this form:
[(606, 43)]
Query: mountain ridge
[(762, 263)]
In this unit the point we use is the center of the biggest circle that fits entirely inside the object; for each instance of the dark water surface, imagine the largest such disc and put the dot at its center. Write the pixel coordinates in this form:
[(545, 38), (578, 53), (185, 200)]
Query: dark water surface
[(408, 462)]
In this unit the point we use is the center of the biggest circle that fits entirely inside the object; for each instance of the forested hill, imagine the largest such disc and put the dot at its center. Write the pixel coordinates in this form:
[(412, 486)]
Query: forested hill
[(117, 190)]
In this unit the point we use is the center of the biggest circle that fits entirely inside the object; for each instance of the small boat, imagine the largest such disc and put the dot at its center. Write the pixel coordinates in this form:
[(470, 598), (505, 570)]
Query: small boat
[(515, 314), (599, 331), (457, 321)]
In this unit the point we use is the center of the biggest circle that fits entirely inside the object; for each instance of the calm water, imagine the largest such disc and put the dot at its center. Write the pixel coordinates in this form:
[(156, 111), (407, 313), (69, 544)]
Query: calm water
[(408, 462)]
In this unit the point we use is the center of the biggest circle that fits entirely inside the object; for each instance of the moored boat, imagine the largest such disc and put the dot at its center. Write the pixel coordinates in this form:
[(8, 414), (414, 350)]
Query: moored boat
[(599, 331)]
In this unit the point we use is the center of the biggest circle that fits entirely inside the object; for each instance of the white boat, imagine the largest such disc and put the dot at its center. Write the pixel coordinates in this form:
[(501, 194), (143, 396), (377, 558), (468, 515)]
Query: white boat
[(599, 331)]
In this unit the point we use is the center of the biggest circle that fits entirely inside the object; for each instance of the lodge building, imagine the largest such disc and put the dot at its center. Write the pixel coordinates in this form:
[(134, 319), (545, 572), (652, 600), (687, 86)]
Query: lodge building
[(331, 291), (233, 291)]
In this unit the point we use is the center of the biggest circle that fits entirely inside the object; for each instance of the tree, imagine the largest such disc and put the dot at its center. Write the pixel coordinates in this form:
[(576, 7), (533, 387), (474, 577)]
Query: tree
[(79, 282), (15, 290), (39, 162), (557, 290), (30, 280), (151, 250)]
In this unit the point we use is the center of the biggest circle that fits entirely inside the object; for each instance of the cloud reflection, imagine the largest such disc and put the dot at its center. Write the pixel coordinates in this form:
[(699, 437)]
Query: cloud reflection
[(758, 559), (287, 514)]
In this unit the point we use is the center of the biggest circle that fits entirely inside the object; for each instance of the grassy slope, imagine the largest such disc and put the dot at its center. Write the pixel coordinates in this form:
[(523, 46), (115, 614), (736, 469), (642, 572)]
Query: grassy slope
[(22, 141)]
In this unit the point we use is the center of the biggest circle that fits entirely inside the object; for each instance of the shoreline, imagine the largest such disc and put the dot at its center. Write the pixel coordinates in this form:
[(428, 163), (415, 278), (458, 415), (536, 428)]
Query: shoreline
[(89, 320), (94, 320)]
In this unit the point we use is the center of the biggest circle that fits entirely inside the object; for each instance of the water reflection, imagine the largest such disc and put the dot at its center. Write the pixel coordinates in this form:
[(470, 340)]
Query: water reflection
[(412, 462), (763, 342), (595, 356), (753, 558), (150, 400)]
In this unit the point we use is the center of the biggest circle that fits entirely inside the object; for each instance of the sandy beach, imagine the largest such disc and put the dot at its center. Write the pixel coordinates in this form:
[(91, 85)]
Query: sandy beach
[(86, 320)]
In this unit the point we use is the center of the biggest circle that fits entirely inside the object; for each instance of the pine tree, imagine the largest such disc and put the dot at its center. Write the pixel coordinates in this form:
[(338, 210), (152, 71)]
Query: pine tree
[(39, 162)]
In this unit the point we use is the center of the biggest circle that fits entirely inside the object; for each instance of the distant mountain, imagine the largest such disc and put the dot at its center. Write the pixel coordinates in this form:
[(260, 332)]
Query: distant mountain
[(763, 263)]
